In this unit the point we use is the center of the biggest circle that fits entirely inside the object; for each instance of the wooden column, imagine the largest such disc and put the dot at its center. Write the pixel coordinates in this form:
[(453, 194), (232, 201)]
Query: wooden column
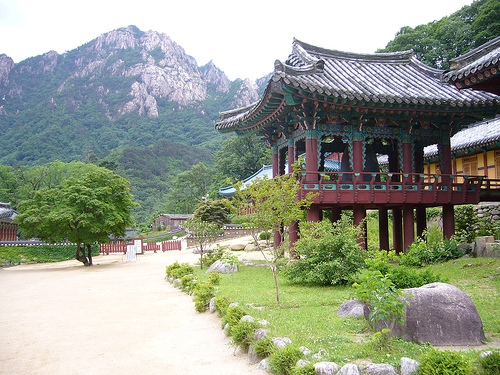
[(408, 217), (311, 156), (408, 226), (291, 154), (448, 210), (359, 213), (397, 230), (275, 161), (383, 228)]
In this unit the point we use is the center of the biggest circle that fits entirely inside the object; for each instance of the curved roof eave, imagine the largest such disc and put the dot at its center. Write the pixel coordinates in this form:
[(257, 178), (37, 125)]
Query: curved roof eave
[(383, 80)]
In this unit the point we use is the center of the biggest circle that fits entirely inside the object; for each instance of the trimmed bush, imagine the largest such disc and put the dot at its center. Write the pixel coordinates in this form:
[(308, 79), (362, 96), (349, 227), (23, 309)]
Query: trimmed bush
[(176, 270), (304, 370), (490, 363), (435, 362), (264, 347), (203, 293), (243, 334), (282, 361)]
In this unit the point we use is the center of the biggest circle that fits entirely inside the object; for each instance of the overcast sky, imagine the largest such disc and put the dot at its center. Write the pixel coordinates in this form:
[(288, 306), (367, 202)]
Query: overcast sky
[(242, 40)]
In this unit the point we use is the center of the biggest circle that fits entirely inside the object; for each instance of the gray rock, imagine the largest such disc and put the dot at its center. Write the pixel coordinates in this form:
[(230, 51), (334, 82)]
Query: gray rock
[(253, 358), (352, 308), (349, 369), (380, 369), (234, 304), (211, 306), (408, 366), (326, 368), (440, 314), (263, 365), (237, 247), (247, 318), (306, 351), (281, 342), (223, 267), (260, 333), (302, 363)]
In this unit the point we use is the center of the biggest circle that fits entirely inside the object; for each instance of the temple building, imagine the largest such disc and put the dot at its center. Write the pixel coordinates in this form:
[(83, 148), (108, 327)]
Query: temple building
[(365, 107), (8, 227)]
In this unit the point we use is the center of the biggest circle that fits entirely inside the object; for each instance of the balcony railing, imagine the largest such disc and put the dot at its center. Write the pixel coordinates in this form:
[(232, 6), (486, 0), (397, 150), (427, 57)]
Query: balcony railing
[(397, 188)]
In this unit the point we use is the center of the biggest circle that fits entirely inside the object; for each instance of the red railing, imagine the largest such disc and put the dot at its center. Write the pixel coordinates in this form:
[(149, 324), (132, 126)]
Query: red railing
[(121, 247), (398, 188)]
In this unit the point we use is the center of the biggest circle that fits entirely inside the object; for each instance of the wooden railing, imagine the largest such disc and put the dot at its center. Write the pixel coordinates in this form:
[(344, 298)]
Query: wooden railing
[(398, 188)]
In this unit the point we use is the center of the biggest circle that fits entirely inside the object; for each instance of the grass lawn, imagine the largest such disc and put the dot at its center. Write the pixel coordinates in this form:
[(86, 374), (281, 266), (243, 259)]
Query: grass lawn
[(308, 315)]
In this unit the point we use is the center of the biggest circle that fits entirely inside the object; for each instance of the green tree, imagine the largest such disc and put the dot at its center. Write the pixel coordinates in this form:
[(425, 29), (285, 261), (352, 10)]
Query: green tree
[(83, 210), (241, 156), (274, 206), (214, 211), (437, 42), (188, 188), (204, 233)]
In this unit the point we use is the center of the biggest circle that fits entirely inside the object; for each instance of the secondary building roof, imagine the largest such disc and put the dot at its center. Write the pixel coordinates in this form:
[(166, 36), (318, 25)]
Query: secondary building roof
[(481, 135), (478, 69)]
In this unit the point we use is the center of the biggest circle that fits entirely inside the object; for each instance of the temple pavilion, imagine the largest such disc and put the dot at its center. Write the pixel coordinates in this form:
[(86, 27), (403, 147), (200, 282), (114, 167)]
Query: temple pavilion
[(365, 107)]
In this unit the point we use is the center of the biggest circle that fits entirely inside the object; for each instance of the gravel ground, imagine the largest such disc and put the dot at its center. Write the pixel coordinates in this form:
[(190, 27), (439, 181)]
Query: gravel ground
[(116, 317)]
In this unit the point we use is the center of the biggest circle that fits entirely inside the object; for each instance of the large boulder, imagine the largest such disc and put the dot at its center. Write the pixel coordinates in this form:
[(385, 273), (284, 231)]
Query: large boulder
[(223, 267), (440, 314), (352, 308)]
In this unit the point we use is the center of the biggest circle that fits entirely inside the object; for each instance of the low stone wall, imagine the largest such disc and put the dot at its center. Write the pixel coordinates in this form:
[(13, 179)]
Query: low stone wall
[(488, 211), (229, 233)]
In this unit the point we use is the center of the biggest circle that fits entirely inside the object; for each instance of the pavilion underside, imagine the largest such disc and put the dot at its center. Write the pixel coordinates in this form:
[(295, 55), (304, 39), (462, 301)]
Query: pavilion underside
[(361, 109)]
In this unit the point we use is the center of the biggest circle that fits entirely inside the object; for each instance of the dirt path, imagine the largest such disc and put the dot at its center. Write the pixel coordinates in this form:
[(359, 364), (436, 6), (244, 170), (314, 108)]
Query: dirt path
[(116, 317)]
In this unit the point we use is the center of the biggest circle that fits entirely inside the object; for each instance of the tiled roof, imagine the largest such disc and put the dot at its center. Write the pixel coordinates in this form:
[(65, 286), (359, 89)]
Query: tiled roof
[(383, 80), (479, 135), (480, 64), (7, 213), (178, 216)]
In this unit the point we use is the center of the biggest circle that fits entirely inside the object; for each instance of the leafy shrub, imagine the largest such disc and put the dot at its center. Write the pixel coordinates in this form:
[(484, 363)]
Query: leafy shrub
[(176, 270), (282, 361), (466, 223), (233, 315), (383, 299), (264, 236), (490, 363), (329, 254), (264, 347), (211, 257), (214, 278), (421, 254), (40, 254), (188, 283), (243, 333), (203, 293), (435, 362), (406, 277), (222, 303), (304, 370), (401, 276)]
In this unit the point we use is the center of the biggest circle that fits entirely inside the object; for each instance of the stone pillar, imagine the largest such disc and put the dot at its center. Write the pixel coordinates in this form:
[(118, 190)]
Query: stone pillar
[(383, 228)]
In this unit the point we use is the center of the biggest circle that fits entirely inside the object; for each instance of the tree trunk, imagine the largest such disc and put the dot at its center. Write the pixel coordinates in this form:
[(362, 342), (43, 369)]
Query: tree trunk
[(80, 254), (89, 254), (276, 285)]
